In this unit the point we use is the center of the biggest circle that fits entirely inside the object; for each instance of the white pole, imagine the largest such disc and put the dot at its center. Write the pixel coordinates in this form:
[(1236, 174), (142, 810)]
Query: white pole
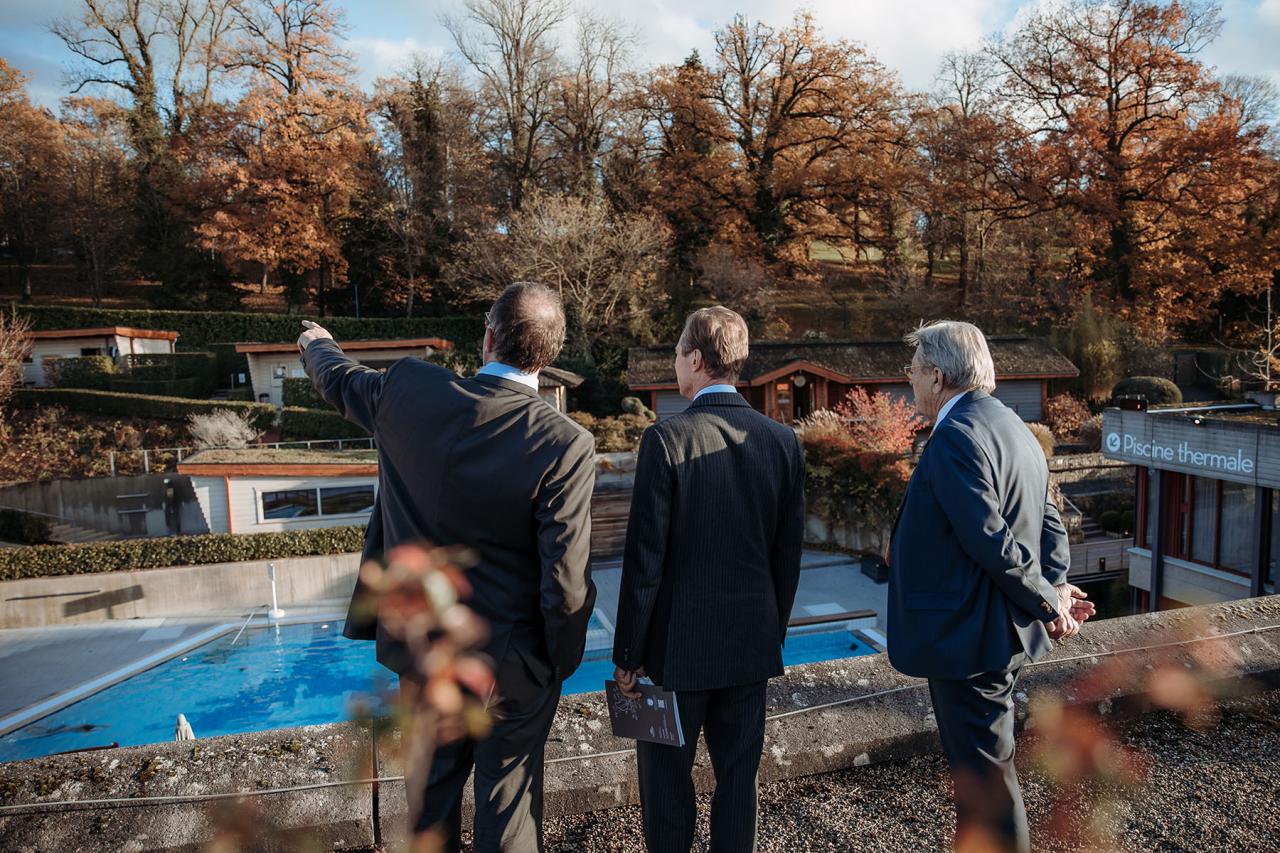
[(275, 612)]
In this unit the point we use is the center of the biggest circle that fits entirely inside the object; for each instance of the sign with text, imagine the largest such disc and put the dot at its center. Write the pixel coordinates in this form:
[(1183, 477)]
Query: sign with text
[(1217, 449)]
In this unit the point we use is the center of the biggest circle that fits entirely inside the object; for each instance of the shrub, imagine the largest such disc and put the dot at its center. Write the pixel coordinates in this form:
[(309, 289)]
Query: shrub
[(23, 528), (86, 371), (619, 434), (242, 394), (1109, 520), (138, 405), (634, 406), (132, 554), (299, 392), (1126, 521), (1044, 436), (223, 428), (1065, 414), (307, 424), (1157, 390), (1091, 434)]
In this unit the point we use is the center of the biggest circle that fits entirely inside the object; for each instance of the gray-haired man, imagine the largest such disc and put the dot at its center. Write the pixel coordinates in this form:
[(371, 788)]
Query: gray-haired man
[(978, 575)]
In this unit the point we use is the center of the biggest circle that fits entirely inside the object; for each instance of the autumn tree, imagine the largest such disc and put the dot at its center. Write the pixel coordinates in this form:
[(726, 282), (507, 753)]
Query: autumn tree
[(603, 266), (163, 56), (15, 348), (279, 162), (591, 98), (93, 211), (1138, 141), (510, 46), (31, 154)]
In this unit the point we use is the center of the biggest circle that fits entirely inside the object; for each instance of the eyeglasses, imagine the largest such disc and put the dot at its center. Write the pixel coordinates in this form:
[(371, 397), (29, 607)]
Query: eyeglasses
[(910, 369), (488, 322)]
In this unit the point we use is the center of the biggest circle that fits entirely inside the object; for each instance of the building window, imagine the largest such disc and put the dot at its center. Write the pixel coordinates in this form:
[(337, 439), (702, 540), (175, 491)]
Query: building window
[(1207, 521), (316, 502), (1236, 535), (90, 351), (294, 503), (346, 500)]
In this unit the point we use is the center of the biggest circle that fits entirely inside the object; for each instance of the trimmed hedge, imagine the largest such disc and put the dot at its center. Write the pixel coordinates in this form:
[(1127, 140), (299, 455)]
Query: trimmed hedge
[(202, 367), (198, 328), (299, 392), (85, 371), (298, 424), (137, 405), (191, 387), (23, 528), (1157, 390), (131, 554)]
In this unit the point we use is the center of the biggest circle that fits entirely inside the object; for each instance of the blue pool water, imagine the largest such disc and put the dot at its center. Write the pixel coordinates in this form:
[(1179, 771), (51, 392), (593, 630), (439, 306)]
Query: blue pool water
[(291, 675)]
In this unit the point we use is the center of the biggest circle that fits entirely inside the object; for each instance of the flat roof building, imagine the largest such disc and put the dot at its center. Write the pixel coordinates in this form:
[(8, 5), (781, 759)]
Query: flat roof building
[(791, 379), (1207, 503), (271, 363), (113, 341)]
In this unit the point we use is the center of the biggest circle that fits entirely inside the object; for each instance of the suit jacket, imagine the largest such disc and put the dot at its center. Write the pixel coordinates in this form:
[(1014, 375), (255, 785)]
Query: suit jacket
[(482, 462), (712, 556), (976, 550)]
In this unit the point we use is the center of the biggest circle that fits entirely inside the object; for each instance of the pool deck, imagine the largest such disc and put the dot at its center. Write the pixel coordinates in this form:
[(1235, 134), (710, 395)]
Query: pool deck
[(39, 666)]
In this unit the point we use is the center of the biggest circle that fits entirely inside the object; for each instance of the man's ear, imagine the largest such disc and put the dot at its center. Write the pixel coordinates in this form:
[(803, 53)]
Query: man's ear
[(695, 360)]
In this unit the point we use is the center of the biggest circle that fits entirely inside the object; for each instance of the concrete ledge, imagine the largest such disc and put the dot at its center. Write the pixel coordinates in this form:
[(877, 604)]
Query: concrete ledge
[(176, 591), (326, 817), (813, 730)]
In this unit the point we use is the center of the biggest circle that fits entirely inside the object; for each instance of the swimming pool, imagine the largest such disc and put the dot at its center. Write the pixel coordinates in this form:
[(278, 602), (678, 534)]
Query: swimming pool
[(277, 677)]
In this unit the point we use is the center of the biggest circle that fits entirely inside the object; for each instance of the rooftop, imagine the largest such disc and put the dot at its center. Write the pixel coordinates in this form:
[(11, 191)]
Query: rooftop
[(284, 456), (102, 331), (1222, 411), (857, 361)]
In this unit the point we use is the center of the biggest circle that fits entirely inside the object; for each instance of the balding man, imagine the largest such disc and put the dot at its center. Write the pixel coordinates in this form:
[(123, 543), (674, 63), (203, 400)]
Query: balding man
[(484, 462), (978, 575)]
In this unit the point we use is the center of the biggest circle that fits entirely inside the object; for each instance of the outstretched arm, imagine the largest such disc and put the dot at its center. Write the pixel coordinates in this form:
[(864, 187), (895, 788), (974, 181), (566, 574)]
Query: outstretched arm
[(350, 387)]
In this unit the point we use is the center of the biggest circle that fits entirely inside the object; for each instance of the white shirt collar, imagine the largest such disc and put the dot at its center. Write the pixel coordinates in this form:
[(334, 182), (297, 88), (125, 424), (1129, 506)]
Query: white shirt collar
[(716, 389), (506, 371), (946, 409)]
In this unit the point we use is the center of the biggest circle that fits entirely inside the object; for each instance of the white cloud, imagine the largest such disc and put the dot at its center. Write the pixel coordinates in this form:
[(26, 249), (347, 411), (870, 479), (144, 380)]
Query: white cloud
[(1269, 11), (379, 57)]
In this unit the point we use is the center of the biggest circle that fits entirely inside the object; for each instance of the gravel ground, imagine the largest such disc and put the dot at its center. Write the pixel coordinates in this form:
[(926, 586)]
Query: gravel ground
[(1203, 790)]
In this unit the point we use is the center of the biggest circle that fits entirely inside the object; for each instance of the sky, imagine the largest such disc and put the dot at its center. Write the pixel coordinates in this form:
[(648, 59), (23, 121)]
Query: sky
[(908, 36)]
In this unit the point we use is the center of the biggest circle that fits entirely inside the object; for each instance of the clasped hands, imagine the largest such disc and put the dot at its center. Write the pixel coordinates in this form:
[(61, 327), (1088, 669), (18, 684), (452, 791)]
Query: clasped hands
[(1073, 610)]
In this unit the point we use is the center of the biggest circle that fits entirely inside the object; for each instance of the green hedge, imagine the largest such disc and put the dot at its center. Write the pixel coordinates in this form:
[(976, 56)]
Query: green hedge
[(306, 424), (191, 387), (1158, 390), (23, 528), (300, 392), (137, 405), (86, 371), (196, 329), (129, 554), (200, 366)]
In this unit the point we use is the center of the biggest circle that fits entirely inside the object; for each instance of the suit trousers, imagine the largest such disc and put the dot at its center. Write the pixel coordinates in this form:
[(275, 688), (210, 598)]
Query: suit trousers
[(508, 769), (975, 723), (732, 721)]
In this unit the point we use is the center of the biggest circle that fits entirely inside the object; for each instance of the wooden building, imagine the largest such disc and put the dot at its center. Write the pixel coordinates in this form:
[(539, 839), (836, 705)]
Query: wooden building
[(788, 380)]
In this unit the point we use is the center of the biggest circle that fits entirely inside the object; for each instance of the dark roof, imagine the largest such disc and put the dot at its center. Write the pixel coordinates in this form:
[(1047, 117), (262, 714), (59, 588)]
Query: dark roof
[(554, 377), (858, 361)]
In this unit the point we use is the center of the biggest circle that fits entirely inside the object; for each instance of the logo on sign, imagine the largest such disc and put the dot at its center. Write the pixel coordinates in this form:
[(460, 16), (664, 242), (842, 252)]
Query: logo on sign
[(1113, 442)]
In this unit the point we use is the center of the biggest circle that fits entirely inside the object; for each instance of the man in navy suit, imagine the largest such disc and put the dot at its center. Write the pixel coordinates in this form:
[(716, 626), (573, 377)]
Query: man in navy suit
[(978, 575)]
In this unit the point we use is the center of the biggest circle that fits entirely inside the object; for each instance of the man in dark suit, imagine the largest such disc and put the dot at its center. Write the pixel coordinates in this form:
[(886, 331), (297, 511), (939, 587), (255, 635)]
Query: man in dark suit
[(708, 578), (484, 462), (978, 575)]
